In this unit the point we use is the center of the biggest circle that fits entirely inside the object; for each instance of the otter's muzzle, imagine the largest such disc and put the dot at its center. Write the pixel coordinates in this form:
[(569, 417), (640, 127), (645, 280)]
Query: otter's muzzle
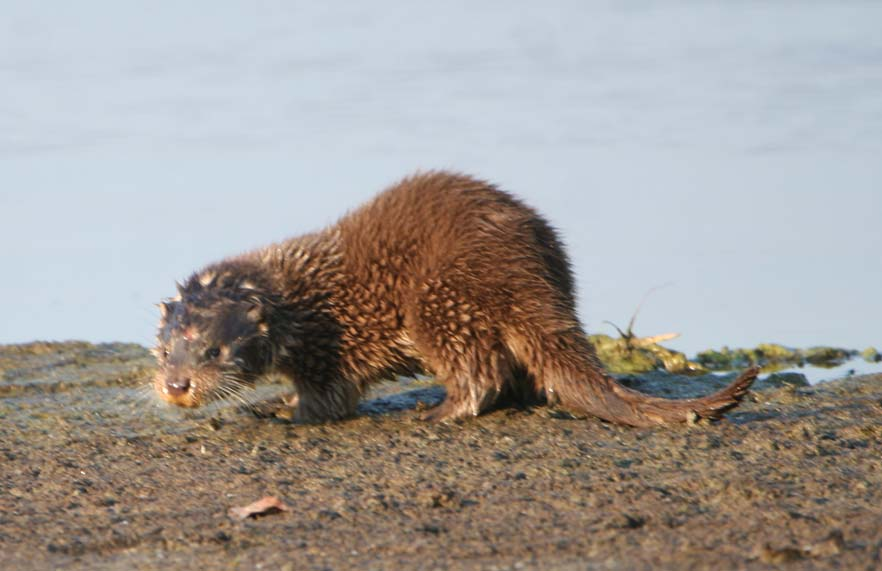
[(176, 387)]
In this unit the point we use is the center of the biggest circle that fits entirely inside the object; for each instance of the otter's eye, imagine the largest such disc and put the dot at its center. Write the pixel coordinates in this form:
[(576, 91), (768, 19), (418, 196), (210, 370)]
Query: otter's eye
[(212, 353), (165, 353)]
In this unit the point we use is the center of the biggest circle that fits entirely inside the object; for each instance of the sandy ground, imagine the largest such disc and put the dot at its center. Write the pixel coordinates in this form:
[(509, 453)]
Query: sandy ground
[(93, 476)]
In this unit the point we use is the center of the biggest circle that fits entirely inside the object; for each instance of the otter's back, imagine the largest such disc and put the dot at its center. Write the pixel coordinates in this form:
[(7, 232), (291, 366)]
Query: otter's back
[(430, 223)]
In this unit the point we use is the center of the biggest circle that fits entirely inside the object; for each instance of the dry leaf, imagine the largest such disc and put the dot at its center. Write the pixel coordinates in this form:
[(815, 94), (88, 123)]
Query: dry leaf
[(264, 506)]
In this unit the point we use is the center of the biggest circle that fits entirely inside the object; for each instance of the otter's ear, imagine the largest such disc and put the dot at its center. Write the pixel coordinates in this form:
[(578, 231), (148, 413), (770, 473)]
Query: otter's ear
[(195, 283), (257, 315), (167, 308)]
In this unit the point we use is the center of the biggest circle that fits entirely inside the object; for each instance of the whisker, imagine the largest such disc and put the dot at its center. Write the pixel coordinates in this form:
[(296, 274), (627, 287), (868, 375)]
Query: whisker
[(240, 396), (233, 389), (238, 390)]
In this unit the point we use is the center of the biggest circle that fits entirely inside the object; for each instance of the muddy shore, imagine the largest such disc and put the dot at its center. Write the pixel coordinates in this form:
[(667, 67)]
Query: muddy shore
[(94, 475)]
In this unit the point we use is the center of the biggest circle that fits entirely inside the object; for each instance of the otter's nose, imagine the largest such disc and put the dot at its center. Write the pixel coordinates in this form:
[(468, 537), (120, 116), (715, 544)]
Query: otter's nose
[(177, 387)]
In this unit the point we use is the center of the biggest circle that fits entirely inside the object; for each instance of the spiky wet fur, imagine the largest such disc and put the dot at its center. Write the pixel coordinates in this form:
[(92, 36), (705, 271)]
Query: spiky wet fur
[(441, 273)]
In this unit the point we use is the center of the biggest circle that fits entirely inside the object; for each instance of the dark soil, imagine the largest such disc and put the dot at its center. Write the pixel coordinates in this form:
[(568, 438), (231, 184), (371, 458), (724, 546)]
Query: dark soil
[(95, 475)]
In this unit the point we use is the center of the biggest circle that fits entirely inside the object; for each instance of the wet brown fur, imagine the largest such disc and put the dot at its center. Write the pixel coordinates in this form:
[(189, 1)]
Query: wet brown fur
[(440, 273)]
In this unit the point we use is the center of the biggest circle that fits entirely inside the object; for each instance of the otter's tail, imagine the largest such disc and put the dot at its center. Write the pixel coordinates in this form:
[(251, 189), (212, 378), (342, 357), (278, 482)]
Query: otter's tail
[(570, 374), (602, 396)]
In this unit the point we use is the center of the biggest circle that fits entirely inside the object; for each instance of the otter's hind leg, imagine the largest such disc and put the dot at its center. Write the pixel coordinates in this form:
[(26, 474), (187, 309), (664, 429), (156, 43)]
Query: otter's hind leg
[(473, 385), (464, 349), (520, 390)]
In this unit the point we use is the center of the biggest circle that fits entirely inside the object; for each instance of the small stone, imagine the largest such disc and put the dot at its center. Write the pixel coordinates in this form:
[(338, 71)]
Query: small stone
[(329, 515), (442, 499), (628, 521), (431, 528), (222, 537), (833, 544), (775, 556)]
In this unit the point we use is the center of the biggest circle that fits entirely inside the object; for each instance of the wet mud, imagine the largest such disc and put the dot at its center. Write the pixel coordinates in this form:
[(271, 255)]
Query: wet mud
[(95, 474)]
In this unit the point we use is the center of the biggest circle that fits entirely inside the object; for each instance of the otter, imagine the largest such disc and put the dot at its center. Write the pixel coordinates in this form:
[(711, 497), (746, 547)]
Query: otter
[(440, 273)]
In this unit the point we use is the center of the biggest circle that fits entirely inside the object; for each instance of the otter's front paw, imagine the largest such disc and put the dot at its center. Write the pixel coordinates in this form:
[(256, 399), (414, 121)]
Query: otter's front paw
[(284, 407)]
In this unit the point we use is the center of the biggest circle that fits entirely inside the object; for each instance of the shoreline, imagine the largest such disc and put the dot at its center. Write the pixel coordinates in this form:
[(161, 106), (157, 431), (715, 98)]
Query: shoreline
[(97, 477)]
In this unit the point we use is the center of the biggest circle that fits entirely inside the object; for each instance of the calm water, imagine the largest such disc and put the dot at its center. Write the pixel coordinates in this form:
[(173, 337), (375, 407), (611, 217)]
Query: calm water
[(731, 152)]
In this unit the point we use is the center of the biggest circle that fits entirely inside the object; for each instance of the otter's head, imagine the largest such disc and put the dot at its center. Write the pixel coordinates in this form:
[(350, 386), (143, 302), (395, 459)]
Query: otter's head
[(211, 345)]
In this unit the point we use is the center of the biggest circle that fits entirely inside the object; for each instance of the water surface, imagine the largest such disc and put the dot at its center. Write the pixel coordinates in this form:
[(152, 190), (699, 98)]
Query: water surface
[(730, 151)]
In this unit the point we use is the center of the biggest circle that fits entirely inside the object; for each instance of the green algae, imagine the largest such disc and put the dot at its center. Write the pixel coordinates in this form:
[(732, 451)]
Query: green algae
[(871, 355), (631, 355), (628, 355), (827, 356), (773, 357)]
